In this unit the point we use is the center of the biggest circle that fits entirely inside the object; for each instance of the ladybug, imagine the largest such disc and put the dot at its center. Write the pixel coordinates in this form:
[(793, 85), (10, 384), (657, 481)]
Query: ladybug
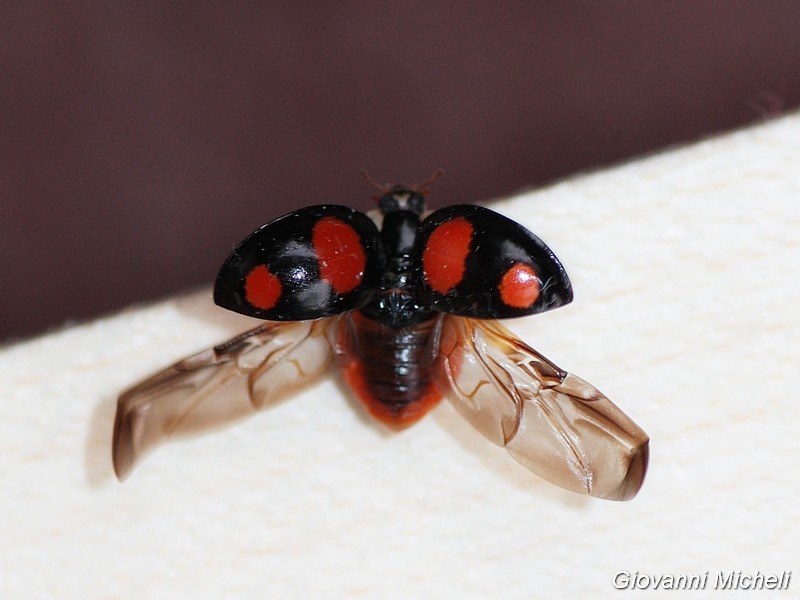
[(407, 301)]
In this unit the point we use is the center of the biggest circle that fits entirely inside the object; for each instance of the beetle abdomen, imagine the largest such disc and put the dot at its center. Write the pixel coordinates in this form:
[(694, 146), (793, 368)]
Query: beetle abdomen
[(388, 368)]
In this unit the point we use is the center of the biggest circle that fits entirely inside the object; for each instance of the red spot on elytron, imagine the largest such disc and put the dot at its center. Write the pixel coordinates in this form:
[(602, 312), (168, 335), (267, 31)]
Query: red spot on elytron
[(340, 253), (443, 260), (261, 288), (519, 287)]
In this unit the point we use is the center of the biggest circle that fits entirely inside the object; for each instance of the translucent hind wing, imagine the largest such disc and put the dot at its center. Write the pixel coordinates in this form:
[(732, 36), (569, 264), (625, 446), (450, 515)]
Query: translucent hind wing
[(217, 386), (554, 423)]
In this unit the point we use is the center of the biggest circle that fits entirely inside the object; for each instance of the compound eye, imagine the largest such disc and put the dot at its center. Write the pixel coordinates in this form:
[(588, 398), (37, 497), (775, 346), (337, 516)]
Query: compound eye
[(388, 203), (416, 203)]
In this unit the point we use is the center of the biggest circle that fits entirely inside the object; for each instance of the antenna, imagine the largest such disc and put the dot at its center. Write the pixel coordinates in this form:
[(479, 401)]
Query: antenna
[(383, 188), (420, 187)]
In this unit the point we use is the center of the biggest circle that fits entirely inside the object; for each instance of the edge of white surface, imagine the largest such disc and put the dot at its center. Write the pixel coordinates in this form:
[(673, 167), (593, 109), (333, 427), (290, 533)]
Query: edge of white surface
[(685, 315)]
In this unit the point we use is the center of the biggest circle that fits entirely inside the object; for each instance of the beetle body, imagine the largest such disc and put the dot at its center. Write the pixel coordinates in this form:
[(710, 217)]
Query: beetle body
[(407, 301), (385, 344)]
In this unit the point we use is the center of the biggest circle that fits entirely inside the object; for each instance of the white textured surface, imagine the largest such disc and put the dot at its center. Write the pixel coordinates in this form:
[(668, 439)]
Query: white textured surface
[(687, 315)]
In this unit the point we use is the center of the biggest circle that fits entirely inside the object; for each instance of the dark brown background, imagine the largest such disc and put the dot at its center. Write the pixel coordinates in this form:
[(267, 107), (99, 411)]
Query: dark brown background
[(139, 141)]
